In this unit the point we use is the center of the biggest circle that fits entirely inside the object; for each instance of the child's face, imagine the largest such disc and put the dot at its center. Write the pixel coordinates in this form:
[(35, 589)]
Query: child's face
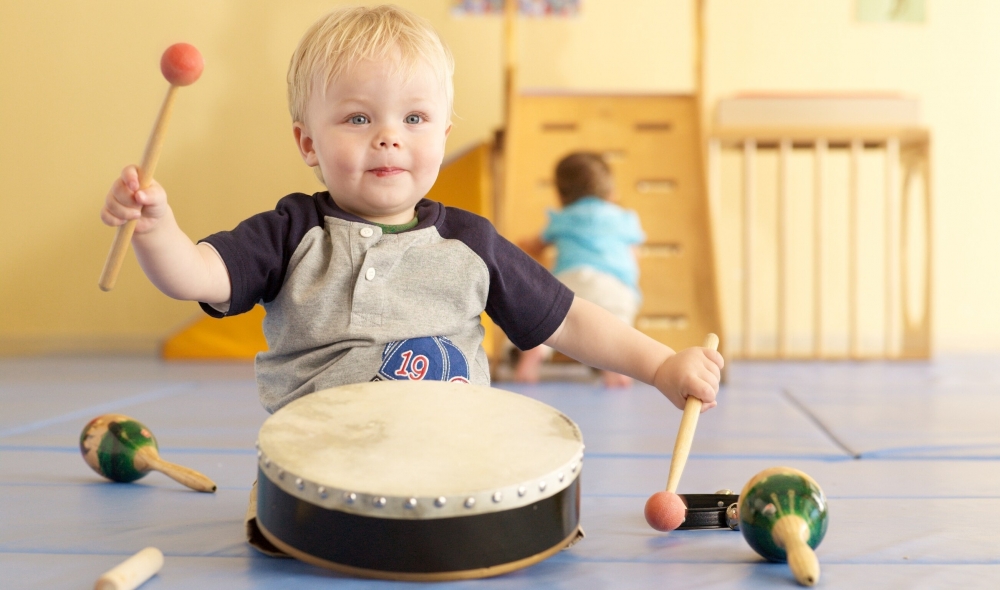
[(378, 137)]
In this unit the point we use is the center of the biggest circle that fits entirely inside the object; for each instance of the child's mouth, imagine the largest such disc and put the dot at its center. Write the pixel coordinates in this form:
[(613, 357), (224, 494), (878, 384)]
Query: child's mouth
[(386, 171)]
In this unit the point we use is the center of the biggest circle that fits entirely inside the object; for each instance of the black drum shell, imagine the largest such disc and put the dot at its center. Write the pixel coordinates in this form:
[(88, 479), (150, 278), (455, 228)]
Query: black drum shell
[(438, 548)]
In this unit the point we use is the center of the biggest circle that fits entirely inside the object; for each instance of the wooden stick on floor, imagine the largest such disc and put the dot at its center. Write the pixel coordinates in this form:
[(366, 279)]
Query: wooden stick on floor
[(132, 572)]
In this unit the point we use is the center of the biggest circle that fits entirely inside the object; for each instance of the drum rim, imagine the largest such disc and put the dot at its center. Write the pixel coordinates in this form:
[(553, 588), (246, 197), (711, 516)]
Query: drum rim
[(466, 503), (423, 507)]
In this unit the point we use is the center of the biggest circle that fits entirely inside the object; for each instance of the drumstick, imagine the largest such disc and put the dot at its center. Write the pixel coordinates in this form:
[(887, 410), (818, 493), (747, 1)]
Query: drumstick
[(181, 64), (132, 572), (665, 511)]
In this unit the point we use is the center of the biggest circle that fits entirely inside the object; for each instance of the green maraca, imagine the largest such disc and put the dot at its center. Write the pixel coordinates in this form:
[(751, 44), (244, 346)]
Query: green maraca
[(122, 449), (783, 516)]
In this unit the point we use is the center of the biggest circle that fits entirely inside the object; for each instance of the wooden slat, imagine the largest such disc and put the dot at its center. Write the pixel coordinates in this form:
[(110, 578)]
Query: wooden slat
[(891, 168), (749, 198), (854, 190), (784, 154), (819, 168)]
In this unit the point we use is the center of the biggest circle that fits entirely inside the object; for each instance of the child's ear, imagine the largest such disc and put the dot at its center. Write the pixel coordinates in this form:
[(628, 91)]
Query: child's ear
[(448, 130), (305, 144)]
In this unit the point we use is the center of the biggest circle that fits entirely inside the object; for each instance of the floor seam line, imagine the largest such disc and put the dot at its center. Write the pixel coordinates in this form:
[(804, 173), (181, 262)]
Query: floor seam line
[(103, 408), (819, 423)]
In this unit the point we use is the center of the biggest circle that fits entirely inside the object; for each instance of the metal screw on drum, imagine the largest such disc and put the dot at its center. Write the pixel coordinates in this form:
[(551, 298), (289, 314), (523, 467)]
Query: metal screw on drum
[(497, 496), (440, 501), (379, 502), (299, 483), (411, 503), (350, 497), (541, 486), (521, 491), (470, 502), (321, 491)]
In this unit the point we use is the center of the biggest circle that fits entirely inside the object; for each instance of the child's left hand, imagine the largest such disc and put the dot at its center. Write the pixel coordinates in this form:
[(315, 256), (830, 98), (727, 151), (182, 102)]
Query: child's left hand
[(694, 371)]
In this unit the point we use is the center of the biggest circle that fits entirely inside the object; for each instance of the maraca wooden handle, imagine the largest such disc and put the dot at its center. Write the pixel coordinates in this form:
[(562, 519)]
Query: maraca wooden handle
[(791, 532), (123, 236), (685, 434), (183, 475)]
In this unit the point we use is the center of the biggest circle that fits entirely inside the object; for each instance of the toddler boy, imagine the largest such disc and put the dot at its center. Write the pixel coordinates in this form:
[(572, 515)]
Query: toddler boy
[(370, 280)]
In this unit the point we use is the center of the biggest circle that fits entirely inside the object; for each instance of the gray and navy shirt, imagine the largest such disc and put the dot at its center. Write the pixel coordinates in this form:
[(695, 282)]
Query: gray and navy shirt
[(348, 303)]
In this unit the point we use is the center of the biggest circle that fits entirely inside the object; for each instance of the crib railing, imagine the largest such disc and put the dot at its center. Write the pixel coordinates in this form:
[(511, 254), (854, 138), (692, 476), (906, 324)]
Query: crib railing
[(906, 229)]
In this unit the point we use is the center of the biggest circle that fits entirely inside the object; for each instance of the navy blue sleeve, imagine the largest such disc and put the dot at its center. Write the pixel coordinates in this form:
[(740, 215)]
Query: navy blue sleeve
[(525, 300), (256, 252)]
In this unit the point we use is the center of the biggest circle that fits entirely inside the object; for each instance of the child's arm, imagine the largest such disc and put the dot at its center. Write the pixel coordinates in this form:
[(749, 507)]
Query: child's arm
[(595, 337), (178, 267)]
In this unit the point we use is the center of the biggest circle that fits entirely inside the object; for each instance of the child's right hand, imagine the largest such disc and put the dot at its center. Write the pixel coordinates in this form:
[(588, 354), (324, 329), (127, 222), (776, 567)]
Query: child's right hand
[(694, 371), (126, 202)]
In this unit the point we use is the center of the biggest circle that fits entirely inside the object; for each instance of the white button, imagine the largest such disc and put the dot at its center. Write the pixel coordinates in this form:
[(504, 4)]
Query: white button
[(370, 274), (367, 232)]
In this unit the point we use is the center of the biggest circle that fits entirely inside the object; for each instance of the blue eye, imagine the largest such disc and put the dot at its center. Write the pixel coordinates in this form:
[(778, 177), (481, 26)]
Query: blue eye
[(359, 120), (413, 119)]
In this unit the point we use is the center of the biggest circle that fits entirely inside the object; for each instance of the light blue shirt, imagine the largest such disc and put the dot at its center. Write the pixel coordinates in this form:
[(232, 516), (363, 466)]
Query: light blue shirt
[(593, 232)]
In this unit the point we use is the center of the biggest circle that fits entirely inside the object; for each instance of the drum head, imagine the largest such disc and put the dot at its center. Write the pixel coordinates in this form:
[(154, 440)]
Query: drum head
[(420, 439)]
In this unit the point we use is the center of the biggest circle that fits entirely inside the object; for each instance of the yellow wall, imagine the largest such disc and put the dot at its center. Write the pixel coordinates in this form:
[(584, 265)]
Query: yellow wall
[(80, 88)]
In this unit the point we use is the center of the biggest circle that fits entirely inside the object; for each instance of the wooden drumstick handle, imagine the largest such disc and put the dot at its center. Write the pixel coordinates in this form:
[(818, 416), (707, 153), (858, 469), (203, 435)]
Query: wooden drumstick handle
[(685, 434), (791, 533), (132, 572), (148, 458), (123, 236)]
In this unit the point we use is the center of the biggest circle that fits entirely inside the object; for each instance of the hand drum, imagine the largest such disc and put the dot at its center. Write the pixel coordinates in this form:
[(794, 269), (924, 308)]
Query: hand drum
[(123, 449), (783, 516)]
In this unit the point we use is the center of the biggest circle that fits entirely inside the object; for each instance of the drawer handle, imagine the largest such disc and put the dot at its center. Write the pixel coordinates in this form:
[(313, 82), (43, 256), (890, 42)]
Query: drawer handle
[(653, 126), (559, 126)]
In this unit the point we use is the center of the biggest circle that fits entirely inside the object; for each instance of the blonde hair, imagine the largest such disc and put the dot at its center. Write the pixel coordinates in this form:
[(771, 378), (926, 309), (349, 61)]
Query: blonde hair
[(583, 174), (346, 36)]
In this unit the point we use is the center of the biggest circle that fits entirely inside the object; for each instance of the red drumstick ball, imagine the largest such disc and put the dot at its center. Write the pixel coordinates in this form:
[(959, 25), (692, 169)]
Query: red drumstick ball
[(181, 64), (665, 511)]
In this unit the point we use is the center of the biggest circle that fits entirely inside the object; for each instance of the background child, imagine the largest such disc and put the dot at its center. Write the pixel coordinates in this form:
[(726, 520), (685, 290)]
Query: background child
[(595, 241), (369, 280)]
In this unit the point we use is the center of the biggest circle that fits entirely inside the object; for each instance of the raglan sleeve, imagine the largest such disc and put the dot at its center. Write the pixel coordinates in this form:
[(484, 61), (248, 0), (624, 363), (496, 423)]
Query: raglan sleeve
[(257, 251), (525, 300)]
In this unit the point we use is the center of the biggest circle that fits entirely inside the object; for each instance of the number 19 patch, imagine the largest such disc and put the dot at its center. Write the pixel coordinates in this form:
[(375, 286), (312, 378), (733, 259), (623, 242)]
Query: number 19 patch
[(432, 358)]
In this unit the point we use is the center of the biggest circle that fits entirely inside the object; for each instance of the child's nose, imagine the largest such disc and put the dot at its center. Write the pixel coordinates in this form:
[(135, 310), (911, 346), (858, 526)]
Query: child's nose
[(386, 138)]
